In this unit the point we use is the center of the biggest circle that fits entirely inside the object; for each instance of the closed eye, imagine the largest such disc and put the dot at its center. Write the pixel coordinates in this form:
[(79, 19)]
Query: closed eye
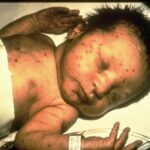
[(103, 65)]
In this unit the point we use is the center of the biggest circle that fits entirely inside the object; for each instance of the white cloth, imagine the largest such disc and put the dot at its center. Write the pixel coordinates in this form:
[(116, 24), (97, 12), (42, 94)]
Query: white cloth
[(7, 114)]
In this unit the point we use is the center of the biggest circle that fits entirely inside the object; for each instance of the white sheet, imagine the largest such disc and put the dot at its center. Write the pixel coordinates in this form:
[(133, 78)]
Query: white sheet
[(135, 116)]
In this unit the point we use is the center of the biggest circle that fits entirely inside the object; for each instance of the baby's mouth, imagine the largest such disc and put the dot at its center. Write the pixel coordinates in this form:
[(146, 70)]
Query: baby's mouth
[(83, 96)]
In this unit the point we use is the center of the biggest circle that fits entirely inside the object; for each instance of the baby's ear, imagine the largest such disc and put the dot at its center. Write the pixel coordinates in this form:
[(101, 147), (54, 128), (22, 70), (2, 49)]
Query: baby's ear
[(77, 31)]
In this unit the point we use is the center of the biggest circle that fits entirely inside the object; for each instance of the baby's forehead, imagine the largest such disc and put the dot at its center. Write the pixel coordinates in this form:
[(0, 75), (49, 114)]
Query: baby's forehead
[(121, 37), (121, 40)]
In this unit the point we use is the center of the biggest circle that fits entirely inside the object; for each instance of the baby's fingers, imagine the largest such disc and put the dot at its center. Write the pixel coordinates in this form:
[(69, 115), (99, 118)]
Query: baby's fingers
[(64, 10), (113, 133), (133, 146), (122, 139), (58, 9)]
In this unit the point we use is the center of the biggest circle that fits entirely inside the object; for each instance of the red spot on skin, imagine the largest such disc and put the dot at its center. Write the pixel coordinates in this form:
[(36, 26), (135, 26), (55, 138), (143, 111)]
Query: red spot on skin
[(16, 60), (45, 54), (112, 57), (133, 70), (69, 69), (38, 61), (78, 74), (116, 36), (81, 57), (49, 145)]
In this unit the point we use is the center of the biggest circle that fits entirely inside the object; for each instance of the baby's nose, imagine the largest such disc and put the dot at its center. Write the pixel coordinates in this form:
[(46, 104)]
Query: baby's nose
[(104, 82)]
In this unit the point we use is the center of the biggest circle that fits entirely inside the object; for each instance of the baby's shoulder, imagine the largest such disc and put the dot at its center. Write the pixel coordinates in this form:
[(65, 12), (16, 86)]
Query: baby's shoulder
[(29, 43)]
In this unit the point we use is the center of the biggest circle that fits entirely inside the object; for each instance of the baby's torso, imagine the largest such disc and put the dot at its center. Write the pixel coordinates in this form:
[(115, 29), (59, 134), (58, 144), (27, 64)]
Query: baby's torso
[(34, 79)]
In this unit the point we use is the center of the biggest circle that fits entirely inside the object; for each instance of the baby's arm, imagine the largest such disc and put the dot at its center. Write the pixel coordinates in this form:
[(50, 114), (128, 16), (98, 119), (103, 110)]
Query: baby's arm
[(45, 132), (55, 20)]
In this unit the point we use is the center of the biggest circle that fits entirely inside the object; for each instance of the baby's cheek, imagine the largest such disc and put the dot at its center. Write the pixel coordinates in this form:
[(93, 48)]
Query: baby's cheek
[(68, 87), (71, 64), (77, 66)]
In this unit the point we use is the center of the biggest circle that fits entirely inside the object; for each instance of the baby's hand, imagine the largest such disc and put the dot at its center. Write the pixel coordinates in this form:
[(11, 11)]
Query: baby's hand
[(111, 142), (56, 20)]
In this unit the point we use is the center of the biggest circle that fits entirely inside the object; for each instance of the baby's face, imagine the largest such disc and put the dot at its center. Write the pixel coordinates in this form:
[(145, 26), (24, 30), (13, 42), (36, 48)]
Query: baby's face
[(101, 71)]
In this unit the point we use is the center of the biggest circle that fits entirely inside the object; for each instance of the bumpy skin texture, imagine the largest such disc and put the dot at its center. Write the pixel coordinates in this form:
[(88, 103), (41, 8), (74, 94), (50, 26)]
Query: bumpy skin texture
[(45, 121)]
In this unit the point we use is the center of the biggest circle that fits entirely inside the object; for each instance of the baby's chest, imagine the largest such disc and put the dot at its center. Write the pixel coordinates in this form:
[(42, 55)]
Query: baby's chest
[(31, 77), (31, 71)]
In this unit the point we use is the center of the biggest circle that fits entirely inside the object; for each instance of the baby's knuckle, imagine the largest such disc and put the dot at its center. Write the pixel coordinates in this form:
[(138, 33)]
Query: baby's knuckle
[(110, 144)]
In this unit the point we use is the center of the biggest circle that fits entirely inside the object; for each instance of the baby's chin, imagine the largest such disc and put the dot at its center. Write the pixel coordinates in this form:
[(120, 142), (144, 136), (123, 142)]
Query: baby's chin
[(86, 110), (89, 111)]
